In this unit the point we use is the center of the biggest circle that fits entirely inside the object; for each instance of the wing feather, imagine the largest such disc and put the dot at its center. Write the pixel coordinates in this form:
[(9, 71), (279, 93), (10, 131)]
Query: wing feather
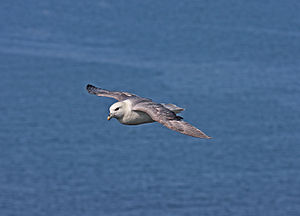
[(120, 96), (169, 119)]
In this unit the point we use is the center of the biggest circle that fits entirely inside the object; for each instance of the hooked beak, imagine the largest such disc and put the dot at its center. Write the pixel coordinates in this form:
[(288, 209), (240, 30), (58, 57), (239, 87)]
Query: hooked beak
[(109, 117)]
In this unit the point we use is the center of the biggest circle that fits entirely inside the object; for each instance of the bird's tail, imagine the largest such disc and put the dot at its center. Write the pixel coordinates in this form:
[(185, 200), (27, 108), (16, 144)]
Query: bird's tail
[(173, 108)]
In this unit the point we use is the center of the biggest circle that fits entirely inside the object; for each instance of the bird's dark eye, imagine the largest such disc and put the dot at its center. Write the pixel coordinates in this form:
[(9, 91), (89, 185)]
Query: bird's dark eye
[(117, 108)]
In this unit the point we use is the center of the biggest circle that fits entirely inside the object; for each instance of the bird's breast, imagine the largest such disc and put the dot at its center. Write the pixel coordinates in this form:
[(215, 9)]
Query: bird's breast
[(135, 118)]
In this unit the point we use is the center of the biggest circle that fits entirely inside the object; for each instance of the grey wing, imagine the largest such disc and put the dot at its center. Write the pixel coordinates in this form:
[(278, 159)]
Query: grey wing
[(105, 93), (169, 119), (185, 128)]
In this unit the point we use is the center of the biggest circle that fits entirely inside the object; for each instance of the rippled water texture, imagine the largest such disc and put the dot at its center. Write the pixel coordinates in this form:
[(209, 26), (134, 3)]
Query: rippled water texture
[(233, 65)]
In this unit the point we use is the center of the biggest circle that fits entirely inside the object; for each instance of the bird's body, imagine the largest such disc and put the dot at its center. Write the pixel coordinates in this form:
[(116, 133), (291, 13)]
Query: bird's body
[(133, 117), (133, 110)]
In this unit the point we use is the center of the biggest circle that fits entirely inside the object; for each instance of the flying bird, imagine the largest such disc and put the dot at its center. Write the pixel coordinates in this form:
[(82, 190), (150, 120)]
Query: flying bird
[(133, 110)]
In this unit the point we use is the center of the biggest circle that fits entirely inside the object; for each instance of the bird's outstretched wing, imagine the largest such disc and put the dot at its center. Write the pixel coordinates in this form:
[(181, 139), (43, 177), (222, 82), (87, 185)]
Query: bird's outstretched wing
[(120, 96), (169, 119)]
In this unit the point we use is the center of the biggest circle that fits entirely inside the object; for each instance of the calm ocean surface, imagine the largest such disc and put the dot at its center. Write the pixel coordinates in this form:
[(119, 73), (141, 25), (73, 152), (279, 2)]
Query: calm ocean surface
[(233, 65)]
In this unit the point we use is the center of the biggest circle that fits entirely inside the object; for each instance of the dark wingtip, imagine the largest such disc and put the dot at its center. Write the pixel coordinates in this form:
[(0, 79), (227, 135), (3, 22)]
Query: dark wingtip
[(90, 88)]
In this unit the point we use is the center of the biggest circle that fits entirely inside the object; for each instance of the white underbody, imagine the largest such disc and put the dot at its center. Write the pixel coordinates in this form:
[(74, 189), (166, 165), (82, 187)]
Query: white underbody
[(135, 118)]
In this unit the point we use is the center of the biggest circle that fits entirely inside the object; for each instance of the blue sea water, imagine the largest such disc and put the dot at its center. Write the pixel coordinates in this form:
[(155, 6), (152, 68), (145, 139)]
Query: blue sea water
[(233, 65)]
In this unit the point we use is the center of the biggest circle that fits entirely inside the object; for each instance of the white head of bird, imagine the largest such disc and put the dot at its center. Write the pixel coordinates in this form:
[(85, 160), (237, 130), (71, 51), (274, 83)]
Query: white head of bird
[(117, 110)]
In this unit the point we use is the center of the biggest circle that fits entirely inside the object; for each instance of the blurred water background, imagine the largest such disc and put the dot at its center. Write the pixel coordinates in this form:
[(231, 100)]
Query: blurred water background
[(233, 65)]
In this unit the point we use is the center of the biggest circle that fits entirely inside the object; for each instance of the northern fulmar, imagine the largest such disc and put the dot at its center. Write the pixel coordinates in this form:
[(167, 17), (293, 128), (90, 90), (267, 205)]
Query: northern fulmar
[(133, 110)]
